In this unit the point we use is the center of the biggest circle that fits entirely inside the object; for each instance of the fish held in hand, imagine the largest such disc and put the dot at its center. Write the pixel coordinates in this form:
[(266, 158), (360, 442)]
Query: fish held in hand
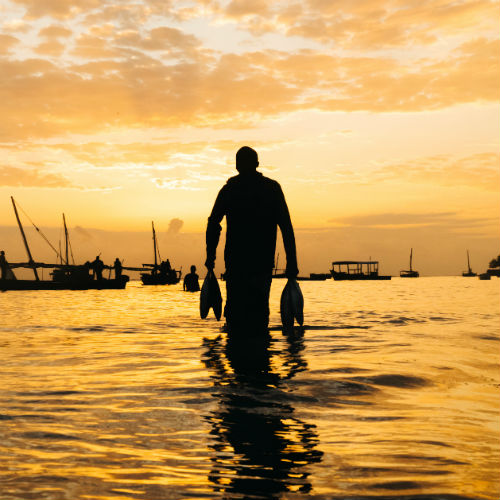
[(210, 296), (292, 304)]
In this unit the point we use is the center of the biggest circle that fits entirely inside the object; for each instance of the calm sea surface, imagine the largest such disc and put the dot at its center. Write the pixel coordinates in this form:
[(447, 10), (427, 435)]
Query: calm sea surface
[(391, 392)]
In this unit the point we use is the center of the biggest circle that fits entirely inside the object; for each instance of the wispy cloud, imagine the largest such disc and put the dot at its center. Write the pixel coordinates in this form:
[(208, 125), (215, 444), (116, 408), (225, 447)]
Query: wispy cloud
[(32, 177)]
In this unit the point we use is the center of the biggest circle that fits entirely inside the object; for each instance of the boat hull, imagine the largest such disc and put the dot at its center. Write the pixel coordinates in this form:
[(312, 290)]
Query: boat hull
[(409, 274), (104, 284), (149, 279), (359, 277)]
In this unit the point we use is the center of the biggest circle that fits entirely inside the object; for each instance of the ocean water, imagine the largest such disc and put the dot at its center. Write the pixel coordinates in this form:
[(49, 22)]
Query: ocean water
[(392, 391)]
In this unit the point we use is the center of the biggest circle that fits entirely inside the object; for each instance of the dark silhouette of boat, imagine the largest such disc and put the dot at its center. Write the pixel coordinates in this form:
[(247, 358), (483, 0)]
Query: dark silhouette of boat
[(410, 273), (64, 276), (356, 270), (162, 273), (494, 267), (485, 276), (469, 273), (315, 277)]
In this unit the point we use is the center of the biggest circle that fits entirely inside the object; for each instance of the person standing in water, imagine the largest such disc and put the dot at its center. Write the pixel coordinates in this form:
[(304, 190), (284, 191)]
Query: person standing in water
[(191, 283), (3, 265), (254, 206)]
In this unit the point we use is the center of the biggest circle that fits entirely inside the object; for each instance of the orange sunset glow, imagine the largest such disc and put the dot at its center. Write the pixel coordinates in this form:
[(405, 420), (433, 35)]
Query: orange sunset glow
[(380, 119)]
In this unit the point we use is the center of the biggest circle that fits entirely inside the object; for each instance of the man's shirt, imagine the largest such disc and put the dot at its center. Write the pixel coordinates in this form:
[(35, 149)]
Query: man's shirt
[(254, 206)]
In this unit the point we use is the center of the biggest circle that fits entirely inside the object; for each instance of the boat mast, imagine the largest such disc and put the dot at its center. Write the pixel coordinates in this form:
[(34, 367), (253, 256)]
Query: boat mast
[(66, 239), (411, 256), (154, 244), (468, 262), (31, 261)]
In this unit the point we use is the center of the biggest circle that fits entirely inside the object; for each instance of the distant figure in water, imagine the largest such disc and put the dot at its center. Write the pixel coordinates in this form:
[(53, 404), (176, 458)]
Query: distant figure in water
[(191, 281), (3, 265), (254, 206), (118, 268), (97, 267)]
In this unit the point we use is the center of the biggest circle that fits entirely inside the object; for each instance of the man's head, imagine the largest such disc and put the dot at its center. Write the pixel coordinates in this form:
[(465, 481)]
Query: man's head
[(193, 269), (246, 160)]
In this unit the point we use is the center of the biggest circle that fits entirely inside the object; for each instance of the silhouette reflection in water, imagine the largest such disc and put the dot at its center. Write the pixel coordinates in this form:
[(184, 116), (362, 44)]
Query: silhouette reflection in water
[(261, 449)]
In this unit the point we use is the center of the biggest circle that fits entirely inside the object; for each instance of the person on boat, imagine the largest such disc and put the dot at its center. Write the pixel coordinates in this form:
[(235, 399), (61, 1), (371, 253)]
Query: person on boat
[(165, 268), (117, 266), (191, 283), (254, 206), (97, 267), (3, 265)]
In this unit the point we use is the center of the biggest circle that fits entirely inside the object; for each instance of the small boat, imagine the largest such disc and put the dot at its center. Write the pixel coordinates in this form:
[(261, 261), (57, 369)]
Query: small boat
[(469, 273), (314, 277), (356, 270), (494, 267), (278, 273), (162, 273), (410, 273), (485, 276), (65, 276)]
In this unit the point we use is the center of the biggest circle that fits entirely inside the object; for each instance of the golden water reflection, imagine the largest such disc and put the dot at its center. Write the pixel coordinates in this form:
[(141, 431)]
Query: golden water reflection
[(261, 449), (392, 392)]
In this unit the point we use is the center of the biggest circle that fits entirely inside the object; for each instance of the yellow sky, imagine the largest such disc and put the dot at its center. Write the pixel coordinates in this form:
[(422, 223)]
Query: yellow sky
[(121, 112)]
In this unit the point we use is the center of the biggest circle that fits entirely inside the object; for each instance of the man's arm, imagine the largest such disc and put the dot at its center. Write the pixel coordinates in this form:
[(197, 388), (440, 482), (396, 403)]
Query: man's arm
[(214, 228), (285, 224)]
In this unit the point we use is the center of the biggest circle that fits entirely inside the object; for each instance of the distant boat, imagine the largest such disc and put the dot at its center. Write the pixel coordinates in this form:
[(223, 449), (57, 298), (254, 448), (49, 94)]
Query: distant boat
[(278, 273), (356, 270), (469, 273), (485, 276), (65, 276), (314, 277), (162, 273), (410, 273)]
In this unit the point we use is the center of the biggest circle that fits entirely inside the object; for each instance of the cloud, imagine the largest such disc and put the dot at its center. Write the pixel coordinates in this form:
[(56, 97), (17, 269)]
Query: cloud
[(83, 233), (31, 177), (372, 25), (55, 31), (476, 171), (50, 48), (56, 8), (407, 220), (135, 90), (175, 184), (7, 42), (174, 226), (122, 66)]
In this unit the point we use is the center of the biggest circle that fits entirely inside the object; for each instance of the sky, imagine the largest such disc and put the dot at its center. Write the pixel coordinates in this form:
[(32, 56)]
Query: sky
[(380, 119)]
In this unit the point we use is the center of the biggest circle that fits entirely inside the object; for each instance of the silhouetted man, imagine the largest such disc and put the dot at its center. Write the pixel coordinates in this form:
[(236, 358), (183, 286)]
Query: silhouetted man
[(191, 283), (3, 265), (118, 268), (254, 206), (97, 267)]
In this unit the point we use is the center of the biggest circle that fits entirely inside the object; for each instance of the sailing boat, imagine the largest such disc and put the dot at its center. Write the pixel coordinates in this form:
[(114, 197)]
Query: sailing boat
[(278, 273), (410, 273), (160, 274), (65, 276), (469, 273)]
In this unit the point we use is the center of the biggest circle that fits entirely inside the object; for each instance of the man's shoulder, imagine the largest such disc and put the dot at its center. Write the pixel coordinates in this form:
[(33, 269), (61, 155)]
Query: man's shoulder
[(266, 181)]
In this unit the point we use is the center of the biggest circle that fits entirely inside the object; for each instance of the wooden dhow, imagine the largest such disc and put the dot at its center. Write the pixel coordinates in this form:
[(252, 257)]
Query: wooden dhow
[(64, 276)]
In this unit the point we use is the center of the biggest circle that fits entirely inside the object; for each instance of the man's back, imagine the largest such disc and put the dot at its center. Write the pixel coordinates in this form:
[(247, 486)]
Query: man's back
[(253, 205)]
